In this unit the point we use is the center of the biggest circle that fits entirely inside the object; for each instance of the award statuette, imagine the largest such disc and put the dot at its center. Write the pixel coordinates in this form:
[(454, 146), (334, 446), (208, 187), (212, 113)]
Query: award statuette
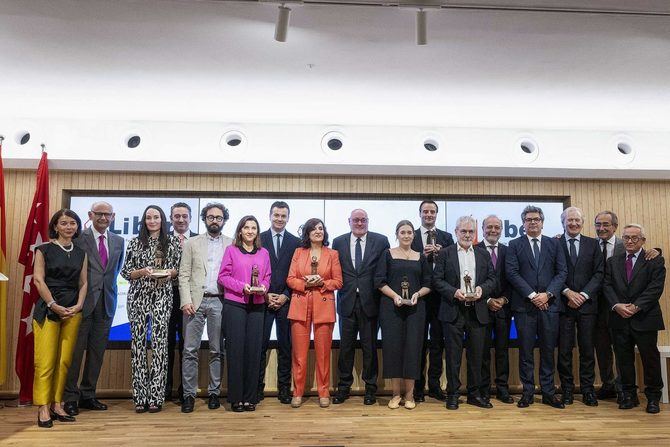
[(315, 265), (430, 237), (404, 293), (158, 271), (255, 288), (469, 292)]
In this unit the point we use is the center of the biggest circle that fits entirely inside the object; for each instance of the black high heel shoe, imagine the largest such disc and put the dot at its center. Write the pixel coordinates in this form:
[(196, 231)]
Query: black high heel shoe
[(44, 424), (237, 407), (60, 417)]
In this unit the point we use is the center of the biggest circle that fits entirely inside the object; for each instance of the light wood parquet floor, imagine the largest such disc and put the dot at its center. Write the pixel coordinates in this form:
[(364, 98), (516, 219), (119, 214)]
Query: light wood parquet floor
[(350, 424)]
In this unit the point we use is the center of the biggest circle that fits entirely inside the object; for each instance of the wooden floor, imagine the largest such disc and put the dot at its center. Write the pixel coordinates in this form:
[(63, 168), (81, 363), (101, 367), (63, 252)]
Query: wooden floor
[(351, 424)]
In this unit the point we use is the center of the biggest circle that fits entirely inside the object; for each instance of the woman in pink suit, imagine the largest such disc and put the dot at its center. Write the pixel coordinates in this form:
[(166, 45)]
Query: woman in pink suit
[(245, 276), (314, 275)]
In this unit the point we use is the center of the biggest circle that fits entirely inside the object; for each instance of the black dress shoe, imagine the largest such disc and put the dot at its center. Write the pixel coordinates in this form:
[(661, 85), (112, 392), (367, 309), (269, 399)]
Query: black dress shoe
[(284, 395), (505, 397), (213, 402), (437, 394), (92, 404), (552, 401), (369, 398), (237, 407), (340, 396), (187, 404), (525, 401), (589, 399), (44, 424), (419, 397), (606, 392), (61, 418), (568, 398), (486, 397), (249, 407), (71, 408), (452, 402), (626, 402), (478, 401), (653, 407)]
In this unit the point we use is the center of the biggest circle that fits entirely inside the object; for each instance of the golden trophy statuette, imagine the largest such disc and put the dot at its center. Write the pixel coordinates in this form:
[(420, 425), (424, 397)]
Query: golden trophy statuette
[(315, 265)]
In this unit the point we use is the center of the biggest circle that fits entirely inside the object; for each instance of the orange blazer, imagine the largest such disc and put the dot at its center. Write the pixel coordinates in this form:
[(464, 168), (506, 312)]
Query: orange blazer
[(323, 306)]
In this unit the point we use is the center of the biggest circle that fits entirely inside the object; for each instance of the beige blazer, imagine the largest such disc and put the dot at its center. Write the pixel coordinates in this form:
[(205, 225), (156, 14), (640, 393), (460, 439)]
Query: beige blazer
[(193, 269)]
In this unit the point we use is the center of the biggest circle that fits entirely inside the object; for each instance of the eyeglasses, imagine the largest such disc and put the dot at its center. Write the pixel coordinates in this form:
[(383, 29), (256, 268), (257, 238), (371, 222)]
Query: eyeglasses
[(214, 218), (360, 220), (603, 224), (633, 239), (99, 215), (532, 220)]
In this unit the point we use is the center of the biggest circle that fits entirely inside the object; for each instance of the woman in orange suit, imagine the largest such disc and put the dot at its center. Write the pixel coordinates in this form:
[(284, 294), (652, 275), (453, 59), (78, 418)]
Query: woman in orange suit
[(314, 275)]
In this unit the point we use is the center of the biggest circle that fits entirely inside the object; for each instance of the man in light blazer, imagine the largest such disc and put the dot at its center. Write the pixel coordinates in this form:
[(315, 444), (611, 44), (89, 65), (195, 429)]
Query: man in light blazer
[(429, 240), (281, 244), (201, 301), (458, 268), (105, 258), (358, 304), (633, 287), (536, 270)]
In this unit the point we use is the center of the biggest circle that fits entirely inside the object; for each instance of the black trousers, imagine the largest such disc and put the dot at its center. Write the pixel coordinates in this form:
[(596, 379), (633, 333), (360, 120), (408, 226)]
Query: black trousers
[(475, 338), (603, 347), (433, 346), (283, 326), (92, 339), (497, 336), (175, 329), (244, 342), (585, 325), (625, 339), (366, 328)]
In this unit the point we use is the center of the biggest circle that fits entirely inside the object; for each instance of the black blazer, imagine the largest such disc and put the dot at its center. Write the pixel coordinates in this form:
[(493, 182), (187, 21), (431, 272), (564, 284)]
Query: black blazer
[(447, 279), (362, 280), (644, 290), (525, 277), (280, 266), (442, 237), (587, 275), (503, 287)]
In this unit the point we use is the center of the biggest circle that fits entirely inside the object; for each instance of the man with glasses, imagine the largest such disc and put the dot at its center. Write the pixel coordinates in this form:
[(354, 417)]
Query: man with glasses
[(201, 302), (104, 250), (358, 304), (633, 287), (536, 270)]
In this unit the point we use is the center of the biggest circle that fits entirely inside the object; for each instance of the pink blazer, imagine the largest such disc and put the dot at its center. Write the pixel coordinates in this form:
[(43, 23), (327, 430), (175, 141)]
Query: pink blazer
[(236, 272), (323, 306)]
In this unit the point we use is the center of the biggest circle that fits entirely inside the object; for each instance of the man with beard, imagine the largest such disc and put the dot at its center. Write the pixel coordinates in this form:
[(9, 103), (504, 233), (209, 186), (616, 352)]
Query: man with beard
[(201, 300)]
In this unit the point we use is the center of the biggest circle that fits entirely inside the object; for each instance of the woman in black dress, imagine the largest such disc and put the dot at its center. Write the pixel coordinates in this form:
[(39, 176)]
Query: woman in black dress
[(403, 276)]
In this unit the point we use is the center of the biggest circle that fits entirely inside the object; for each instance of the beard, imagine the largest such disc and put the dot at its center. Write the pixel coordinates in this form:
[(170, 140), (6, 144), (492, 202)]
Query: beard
[(213, 228)]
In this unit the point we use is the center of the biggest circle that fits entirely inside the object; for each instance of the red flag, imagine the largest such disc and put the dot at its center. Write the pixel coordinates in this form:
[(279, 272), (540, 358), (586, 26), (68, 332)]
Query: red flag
[(37, 233)]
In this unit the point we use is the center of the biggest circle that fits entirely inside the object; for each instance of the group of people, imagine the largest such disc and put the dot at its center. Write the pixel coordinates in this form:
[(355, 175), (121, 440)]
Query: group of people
[(430, 295)]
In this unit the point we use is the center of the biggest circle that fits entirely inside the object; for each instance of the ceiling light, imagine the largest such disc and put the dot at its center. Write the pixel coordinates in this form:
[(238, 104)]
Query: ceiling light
[(421, 29), (281, 28)]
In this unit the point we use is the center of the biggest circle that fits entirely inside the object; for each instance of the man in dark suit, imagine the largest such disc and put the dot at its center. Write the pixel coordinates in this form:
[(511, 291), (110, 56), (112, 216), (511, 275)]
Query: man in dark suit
[(281, 244), (500, 315), (579, 309), (464, 278), (536, 270), (105, 258), (358, 304), (429, 240), (180, 218), (633, 288)]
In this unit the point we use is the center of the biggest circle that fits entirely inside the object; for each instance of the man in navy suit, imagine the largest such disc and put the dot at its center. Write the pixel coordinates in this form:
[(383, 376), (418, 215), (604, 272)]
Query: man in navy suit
[(281, 244), (458, 268), (633, 287), (429, 240), (537, 271), (358, 304), (579, 309), (500, 315)]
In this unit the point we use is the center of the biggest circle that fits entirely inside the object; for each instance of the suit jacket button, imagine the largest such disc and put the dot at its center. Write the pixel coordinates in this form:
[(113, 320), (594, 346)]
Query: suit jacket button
[(323, 299)]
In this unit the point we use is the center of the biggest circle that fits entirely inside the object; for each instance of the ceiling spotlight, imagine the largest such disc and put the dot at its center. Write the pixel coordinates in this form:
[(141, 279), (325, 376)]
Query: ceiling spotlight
[(421, 29), (281, 28)]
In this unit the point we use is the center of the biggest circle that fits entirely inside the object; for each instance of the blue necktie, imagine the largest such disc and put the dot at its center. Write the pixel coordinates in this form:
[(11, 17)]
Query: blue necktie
[(536, 252)]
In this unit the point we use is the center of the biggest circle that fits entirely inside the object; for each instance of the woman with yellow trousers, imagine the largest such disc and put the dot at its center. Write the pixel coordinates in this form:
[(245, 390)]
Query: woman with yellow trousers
[(314, 275), (60, 279)]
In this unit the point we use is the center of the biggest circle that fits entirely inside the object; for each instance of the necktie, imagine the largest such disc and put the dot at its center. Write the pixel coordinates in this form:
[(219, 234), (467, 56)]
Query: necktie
[(629, 267), (358, 255), (181, 240), (536, 251), (573, 251), (278, 245), (103, 251), (604, 245), (494, 257)]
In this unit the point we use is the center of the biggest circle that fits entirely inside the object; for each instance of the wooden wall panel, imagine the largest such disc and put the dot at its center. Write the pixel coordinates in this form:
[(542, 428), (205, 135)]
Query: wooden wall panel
[(645, 202)]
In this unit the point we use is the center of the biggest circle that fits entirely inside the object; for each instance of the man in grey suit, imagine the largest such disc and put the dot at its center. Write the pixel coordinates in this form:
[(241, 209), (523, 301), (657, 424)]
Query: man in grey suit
[(201, 301), (105, 258)]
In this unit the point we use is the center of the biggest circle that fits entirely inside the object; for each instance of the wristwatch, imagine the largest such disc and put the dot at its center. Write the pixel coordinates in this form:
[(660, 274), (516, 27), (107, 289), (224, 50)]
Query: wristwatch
[(51, 303), (550, 295)]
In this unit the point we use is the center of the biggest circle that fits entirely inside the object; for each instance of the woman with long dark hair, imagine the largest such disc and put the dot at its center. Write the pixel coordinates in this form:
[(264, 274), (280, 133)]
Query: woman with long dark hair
[(152, 259), (314, 275), (59, 275)]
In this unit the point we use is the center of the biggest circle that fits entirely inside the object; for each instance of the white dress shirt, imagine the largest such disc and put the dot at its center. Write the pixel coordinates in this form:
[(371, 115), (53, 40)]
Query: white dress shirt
[(466, 263)]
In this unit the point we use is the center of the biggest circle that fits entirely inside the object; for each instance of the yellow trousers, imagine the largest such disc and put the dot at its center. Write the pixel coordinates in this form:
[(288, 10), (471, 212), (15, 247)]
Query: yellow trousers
[(54, 345)]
